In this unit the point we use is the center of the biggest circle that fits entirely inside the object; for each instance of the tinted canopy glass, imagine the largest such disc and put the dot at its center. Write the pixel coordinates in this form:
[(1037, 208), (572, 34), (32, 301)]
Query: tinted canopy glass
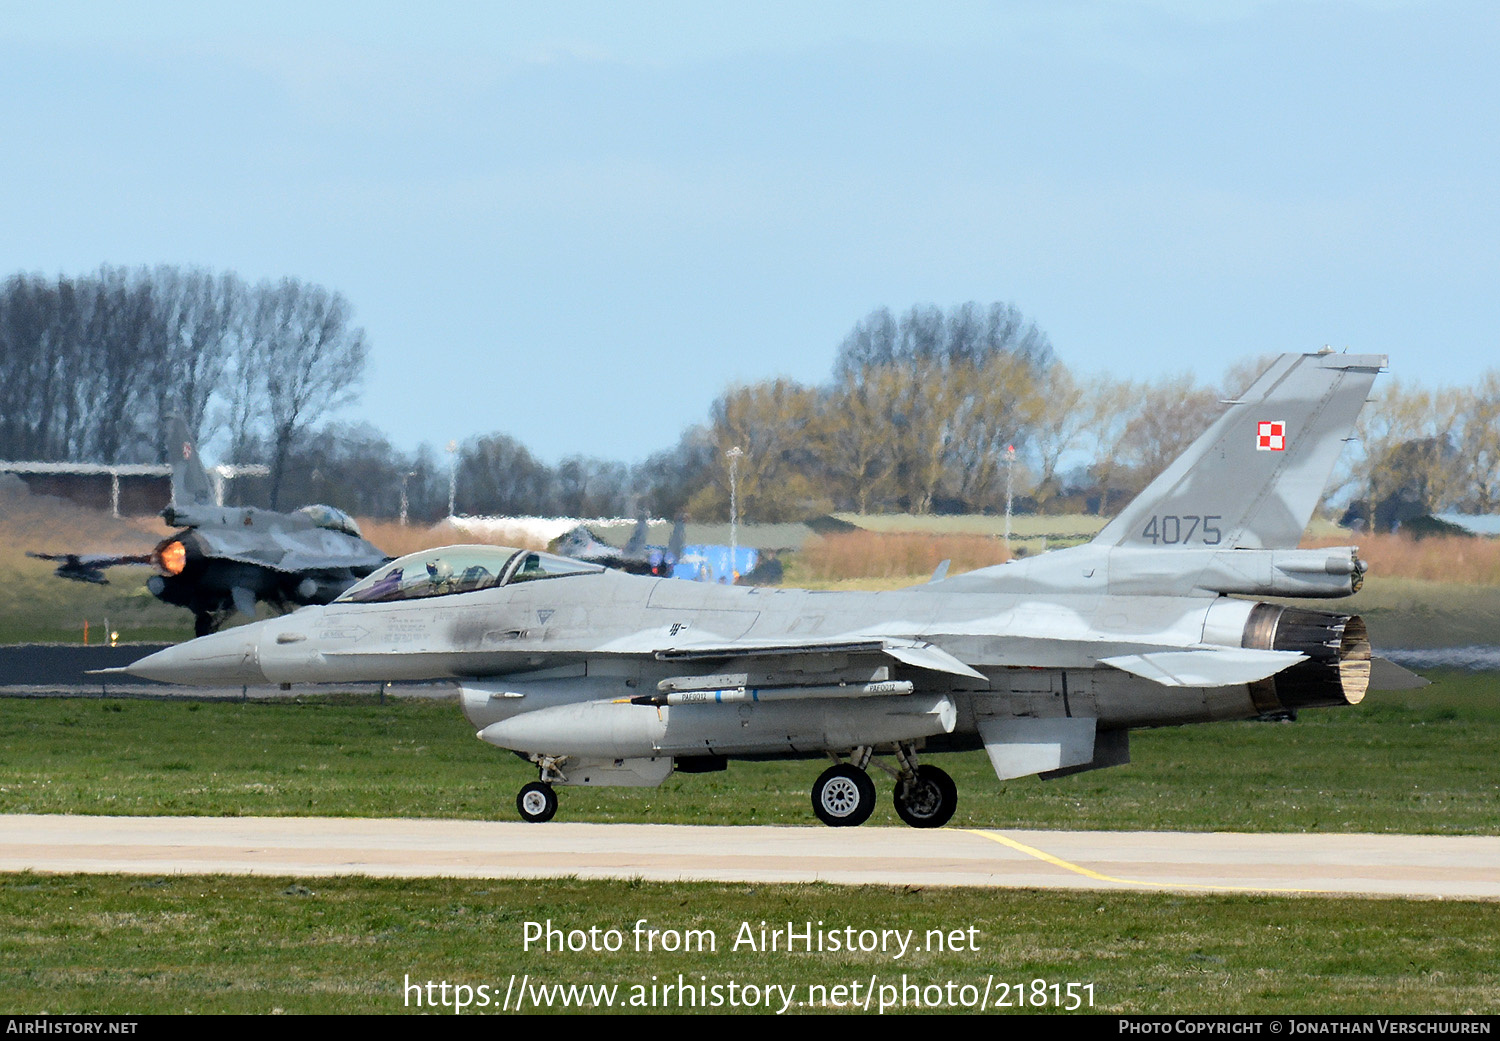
[(332, 519), (459, 569), (433, 572)]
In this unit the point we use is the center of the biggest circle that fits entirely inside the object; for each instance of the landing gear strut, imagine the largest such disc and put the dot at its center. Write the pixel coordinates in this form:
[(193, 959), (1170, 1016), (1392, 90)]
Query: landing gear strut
[(925, 795), (537, 802)]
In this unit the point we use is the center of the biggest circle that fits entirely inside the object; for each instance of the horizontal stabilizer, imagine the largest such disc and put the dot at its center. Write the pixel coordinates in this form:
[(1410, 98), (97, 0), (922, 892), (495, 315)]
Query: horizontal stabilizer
[(1387, 675), (1207, 667)]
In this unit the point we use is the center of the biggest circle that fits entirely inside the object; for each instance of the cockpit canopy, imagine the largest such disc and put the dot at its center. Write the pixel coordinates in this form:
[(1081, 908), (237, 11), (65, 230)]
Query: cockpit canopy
[(332, 519), (459, 569)]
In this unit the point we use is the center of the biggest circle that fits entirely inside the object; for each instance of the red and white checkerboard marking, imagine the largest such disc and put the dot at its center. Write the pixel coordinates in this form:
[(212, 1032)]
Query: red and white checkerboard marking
[(1270, 436)]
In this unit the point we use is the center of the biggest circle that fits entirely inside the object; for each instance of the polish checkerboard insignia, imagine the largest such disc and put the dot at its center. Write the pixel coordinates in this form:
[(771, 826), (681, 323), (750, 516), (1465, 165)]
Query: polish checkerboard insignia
[(1270, 436)]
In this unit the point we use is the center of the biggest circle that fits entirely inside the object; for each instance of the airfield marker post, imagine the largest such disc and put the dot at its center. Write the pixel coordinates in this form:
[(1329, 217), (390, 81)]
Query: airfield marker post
[(734, 455)]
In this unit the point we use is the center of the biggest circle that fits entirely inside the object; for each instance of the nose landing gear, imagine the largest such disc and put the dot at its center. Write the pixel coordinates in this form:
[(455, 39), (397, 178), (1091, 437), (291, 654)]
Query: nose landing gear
[(537, 802)]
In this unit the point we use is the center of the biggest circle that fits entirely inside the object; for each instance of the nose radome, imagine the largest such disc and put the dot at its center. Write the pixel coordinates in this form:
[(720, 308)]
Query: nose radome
[(228, 658)]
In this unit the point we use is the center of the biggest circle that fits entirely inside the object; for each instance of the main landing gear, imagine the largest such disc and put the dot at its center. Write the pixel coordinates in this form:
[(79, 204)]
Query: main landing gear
[(844, 796), (928, 799)]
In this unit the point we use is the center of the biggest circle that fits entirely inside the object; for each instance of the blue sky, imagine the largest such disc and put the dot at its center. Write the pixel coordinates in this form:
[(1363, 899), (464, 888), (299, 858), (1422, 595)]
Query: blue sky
[(578, 223)]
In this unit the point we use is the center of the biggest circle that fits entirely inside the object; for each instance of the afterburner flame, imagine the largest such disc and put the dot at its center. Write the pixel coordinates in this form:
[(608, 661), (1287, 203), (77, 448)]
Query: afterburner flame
[(172, 558)]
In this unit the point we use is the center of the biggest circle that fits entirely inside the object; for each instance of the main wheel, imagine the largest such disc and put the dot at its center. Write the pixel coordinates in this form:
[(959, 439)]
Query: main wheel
[(843, 796), (537, 802), (928, 799)]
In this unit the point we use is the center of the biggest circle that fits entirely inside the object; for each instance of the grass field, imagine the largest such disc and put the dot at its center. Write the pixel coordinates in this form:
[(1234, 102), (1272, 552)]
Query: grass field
[(1418, 761), (256, 945)]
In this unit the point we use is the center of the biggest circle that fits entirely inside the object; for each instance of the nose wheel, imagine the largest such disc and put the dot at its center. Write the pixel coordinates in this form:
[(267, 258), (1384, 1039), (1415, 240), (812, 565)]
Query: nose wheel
[(537, 802), (843, 796)]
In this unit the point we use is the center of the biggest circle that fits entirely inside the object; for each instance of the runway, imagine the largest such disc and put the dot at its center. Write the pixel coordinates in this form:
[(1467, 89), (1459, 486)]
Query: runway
[(1390, 865)]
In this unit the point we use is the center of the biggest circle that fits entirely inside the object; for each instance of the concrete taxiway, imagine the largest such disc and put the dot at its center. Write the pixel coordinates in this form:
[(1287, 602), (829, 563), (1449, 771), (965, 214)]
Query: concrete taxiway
[(1421, 866)]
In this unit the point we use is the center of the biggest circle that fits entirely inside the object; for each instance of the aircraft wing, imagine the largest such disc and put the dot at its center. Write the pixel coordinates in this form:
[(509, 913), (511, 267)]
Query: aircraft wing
[(89, 567), (1166, 665), (916, 653)]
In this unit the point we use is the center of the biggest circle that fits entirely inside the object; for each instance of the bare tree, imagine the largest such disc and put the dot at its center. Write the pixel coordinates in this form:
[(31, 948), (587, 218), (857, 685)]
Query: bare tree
[(1408, 433), (587, 487), (969, 333), (198, 318), (1060, 426), (29, 402), (1479, 447), (861, 449), (999, 407), (777, 427), (309, 356), (497, 475), (115, 351), (1166, 418)]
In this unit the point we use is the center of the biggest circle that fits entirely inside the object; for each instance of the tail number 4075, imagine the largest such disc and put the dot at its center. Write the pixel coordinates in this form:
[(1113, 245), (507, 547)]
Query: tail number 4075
[(1169, 529)]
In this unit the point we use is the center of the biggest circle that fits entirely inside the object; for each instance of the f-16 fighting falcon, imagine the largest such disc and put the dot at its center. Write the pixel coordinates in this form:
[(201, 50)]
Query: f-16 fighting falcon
[(227, 558), (1048, 663)]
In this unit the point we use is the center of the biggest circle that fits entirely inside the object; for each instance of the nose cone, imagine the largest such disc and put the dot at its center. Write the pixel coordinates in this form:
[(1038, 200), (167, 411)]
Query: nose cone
[(230, 658)]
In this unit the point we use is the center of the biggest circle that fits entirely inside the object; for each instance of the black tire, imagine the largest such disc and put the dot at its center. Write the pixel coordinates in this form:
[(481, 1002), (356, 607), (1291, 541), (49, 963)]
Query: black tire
[(928, 799), (843, 796), (536, 802)]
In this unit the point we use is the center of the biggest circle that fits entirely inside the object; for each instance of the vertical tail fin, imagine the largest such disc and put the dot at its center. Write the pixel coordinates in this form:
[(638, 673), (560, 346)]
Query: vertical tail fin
[(636, 547), (1255, 477), (190, 483)]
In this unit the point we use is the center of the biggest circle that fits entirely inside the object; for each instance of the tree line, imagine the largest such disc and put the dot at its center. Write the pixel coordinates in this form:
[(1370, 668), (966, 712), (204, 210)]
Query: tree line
[(931, 410), (921, 415), (94, 364)]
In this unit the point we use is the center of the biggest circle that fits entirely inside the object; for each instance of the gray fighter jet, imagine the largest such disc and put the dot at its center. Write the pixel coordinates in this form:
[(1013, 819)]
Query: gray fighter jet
[(228, 558), (637, 557), (1048, 663)]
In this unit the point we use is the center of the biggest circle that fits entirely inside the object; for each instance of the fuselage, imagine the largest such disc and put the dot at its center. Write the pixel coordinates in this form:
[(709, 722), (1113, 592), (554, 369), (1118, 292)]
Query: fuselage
[(608, 636)]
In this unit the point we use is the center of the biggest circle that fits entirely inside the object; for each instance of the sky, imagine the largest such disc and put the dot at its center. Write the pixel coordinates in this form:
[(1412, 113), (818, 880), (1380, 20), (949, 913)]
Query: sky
[(579, 223)]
